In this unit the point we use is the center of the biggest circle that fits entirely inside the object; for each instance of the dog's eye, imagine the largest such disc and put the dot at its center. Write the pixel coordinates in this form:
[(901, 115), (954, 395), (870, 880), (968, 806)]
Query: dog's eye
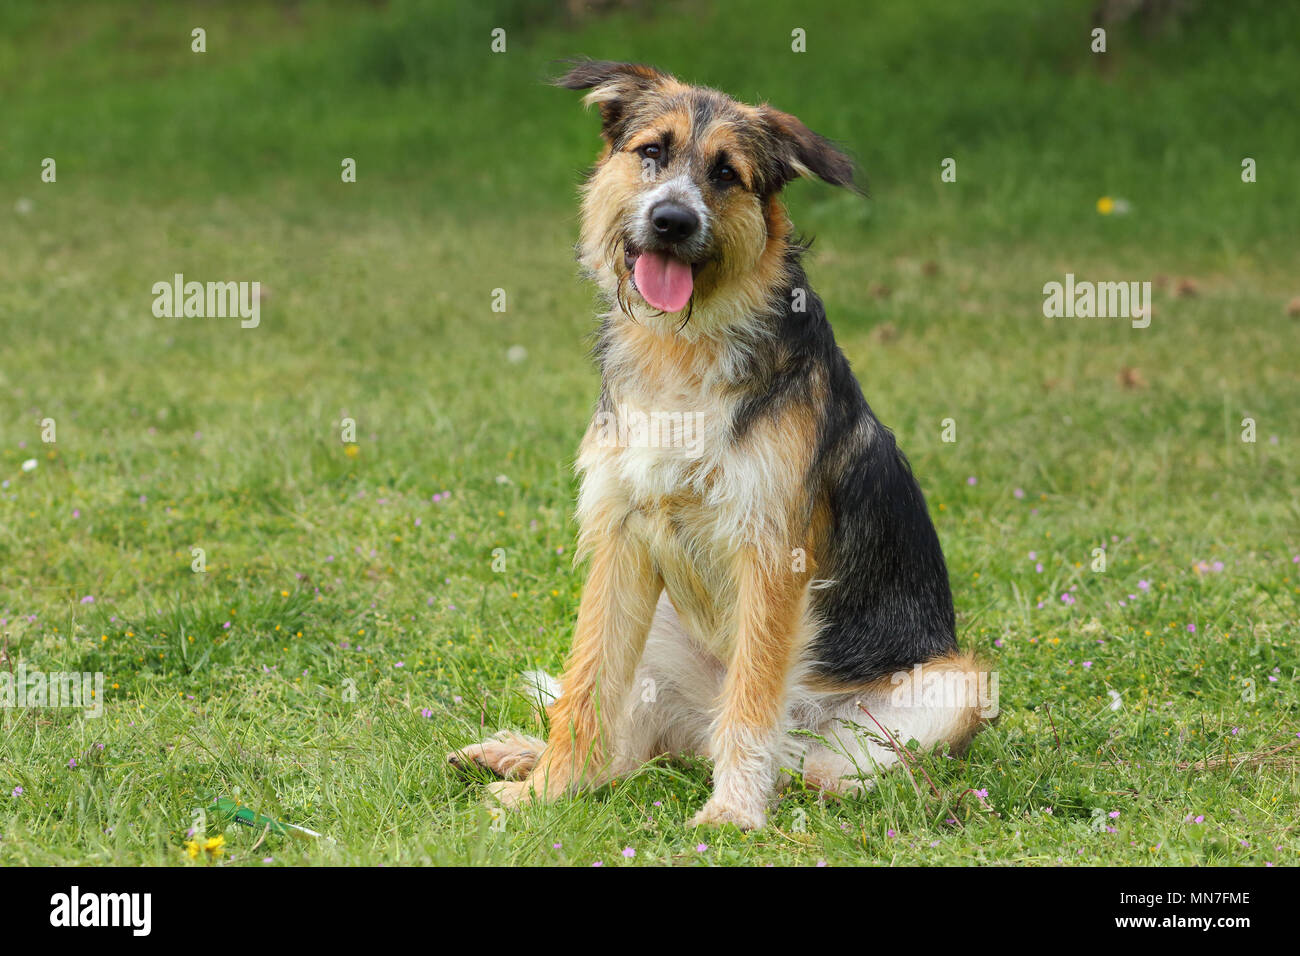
[(725, 174), (652, 151)]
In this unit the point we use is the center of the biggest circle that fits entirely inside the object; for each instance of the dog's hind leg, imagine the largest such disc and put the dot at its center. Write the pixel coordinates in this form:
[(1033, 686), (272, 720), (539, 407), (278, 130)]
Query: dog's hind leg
[(508, 753), (945, 701), (673, 695), (668, 710)]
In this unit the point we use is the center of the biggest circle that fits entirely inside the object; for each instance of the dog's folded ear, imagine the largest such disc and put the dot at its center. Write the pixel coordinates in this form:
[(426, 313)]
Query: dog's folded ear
[(614, 87), (801, 152)]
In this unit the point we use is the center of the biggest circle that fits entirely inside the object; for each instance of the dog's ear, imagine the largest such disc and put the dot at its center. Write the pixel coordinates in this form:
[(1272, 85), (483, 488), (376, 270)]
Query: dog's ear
[(614, 87), (801, 152)]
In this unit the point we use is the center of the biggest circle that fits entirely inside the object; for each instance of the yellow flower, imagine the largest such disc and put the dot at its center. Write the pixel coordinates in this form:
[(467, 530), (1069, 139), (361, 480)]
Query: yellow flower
[(352, 451), (215, 845), (1105, 205), (192, 849)]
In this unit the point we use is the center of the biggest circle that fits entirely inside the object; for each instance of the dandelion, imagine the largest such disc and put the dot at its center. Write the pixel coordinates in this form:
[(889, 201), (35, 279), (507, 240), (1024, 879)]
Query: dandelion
[(1105, 205)]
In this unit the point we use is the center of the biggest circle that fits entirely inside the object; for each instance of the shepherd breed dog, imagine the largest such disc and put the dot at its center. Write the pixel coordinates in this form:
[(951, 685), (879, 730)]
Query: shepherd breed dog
[(765, 586)]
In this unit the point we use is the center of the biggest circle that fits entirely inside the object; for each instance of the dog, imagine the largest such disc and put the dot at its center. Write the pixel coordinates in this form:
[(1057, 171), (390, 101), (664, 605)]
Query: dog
[(761, 559)]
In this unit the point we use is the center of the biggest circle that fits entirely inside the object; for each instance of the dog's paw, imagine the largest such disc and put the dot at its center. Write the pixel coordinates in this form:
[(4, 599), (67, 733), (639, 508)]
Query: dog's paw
[(718, 812), (511, 795), (506, 753)]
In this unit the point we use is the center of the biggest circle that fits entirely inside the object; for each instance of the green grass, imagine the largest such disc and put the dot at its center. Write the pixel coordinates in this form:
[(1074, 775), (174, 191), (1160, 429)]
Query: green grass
[(349, 621)]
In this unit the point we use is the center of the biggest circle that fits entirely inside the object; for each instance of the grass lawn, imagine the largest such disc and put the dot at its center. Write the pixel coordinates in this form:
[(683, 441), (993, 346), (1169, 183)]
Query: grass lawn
[(367, 607)]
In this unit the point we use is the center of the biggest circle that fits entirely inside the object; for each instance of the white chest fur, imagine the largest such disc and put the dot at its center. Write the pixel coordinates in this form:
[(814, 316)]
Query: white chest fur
[(661, 463)]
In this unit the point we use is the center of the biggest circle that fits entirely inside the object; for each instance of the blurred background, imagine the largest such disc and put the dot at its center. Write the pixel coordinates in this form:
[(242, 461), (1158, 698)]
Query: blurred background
[(377, 295)]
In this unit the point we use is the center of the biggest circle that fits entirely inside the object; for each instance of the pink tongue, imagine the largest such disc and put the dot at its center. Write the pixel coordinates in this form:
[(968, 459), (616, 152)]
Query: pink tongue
[(663, 281)]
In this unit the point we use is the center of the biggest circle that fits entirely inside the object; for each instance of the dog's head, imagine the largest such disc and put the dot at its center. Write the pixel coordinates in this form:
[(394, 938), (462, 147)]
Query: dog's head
[(684, 206)]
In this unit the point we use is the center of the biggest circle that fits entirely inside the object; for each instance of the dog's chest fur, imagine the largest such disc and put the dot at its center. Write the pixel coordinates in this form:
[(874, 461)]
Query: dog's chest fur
[(683, 486)]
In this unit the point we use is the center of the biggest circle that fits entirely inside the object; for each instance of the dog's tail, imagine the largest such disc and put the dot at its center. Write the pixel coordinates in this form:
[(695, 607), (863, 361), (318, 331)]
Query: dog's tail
[(542, 689)]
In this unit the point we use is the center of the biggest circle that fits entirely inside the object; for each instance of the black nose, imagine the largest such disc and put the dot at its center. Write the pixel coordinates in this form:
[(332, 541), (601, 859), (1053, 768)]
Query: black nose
[(674, 222)]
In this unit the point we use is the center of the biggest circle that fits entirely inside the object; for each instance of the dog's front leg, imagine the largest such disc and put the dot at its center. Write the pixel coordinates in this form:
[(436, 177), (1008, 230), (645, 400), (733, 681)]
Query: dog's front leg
[(614, 618), (747, 733)]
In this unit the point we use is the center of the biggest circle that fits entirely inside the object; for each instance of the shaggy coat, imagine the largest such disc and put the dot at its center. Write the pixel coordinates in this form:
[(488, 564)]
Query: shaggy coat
[(761, 558)]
